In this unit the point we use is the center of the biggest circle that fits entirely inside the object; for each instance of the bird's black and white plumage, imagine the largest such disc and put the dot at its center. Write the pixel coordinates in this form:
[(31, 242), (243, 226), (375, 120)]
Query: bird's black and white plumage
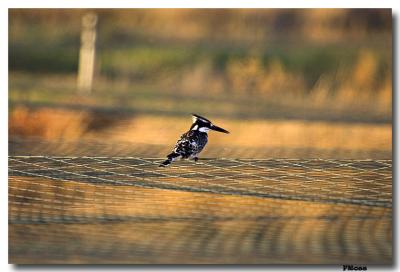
[(192, 142)]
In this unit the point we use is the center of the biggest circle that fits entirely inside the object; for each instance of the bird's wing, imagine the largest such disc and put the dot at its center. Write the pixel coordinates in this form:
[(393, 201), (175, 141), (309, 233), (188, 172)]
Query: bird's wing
[(183, 143)]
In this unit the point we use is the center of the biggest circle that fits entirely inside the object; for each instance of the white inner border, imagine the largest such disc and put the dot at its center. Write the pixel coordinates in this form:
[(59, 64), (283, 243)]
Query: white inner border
[(5, 4)]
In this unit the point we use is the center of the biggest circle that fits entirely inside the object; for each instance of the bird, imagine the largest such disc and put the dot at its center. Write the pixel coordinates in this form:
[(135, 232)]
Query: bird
[(193, 141)]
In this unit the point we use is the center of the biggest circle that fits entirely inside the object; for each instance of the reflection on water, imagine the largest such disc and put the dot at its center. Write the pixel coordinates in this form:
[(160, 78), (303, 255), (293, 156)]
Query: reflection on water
[(61, 219)]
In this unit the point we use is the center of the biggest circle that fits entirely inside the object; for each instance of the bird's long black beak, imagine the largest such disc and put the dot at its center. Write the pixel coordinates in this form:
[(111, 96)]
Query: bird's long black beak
[(216, 128)]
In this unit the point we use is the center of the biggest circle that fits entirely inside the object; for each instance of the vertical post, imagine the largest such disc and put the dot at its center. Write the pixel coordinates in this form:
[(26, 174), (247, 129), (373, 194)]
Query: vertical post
[(87, 53)]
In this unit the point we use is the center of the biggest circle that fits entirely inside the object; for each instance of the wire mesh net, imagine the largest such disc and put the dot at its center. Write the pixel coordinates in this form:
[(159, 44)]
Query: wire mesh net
[(128, 210), (87, 147)]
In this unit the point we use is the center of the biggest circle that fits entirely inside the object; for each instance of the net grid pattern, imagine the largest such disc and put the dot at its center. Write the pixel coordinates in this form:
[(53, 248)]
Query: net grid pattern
[(129, 210), (367, 182), (87, 147)]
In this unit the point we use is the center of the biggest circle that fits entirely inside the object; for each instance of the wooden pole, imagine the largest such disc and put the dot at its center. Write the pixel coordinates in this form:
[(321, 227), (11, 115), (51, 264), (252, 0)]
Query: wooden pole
[(87, 53)]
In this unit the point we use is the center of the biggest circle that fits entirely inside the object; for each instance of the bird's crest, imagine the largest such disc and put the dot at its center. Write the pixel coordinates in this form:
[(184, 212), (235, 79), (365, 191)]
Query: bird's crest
[(196, 117)]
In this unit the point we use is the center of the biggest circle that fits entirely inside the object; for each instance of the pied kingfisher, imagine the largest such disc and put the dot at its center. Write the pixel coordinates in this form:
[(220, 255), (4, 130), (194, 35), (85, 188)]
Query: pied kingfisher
[(192, 142)]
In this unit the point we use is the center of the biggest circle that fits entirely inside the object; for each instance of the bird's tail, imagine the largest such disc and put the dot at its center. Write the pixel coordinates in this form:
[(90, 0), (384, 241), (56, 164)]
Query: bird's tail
[(170, 158), (165, 163)]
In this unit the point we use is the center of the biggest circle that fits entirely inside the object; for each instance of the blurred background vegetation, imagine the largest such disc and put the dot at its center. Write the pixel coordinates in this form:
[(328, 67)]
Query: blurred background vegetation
[(298, 79)]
